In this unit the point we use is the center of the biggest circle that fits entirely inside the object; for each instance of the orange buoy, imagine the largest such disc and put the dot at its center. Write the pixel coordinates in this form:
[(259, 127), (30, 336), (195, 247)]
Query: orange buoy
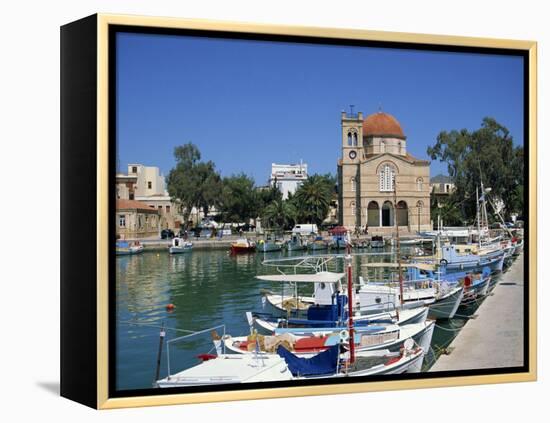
[(170, 307)]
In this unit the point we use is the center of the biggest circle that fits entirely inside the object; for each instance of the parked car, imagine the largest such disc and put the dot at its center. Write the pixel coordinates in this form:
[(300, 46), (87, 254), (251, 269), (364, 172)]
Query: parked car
[(167, 234)]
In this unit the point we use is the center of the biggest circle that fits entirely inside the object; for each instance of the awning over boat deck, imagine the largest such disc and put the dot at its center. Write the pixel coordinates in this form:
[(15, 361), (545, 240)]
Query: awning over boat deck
[(326, 277), (421, 266)]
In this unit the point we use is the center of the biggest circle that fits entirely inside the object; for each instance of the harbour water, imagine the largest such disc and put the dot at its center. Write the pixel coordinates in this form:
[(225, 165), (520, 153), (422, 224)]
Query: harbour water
[(207, 288)]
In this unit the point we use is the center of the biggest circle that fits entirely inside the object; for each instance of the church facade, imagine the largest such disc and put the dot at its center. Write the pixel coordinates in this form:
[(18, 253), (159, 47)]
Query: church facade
[(380, 184)]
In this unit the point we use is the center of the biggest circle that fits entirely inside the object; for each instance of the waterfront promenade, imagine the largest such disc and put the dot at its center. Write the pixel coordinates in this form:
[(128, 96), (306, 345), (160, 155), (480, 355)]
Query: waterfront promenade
[(495, 338)]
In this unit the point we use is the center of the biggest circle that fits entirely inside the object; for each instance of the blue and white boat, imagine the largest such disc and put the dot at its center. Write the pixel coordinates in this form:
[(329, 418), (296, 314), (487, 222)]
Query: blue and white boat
[(124, 248), (326, 308), (296, 243), (180, 246)]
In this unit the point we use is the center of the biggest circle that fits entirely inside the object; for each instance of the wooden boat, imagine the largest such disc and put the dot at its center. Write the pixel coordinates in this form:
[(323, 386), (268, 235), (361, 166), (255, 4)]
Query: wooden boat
[(327, 305), (312, 341), (124, 248), (269, 324), (180, 246), (318, 244), (283, 365), (243, 245), (296, 243), (267, 245), (442, 298)]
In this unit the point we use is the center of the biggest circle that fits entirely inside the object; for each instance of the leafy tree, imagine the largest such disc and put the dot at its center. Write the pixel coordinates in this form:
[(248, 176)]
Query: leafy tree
[(312, 199), (486, 154), (280, 214), (268, 196), (239, 199), (193, 183)]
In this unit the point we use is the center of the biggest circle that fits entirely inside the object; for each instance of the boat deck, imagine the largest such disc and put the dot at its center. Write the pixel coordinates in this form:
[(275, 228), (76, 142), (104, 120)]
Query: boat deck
[(495, 338)]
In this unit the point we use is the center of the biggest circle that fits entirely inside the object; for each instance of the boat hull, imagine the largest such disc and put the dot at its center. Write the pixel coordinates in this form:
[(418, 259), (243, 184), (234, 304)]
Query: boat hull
[(446, 306)]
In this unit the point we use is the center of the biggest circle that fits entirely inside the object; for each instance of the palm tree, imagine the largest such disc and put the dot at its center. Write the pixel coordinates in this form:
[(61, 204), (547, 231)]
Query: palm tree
[(312, 199), (281, 214)]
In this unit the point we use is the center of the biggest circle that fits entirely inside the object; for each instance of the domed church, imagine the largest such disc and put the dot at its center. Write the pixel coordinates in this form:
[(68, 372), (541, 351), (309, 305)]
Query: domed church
[(381, 184)]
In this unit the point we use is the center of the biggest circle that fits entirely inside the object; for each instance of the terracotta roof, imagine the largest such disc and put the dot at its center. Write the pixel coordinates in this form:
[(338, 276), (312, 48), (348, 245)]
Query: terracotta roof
[(382, 124), (133, 205)]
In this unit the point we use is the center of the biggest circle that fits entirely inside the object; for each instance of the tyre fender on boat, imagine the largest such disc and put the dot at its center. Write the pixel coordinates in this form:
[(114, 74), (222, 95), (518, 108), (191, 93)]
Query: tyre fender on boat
[(443, 262)]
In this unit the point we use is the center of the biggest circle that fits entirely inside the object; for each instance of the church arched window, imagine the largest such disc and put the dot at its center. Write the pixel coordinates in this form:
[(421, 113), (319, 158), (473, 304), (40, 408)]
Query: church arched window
[(387, 178), (355, 139), (419, 184), (352, 207), (349, 139), (353, 183)]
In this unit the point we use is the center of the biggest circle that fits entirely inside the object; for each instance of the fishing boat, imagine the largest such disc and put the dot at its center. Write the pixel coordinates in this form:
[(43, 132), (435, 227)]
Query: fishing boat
[(318, 244), (469, 257), (361, 244), (338, 242), (124, 248), (296, 243), (180, 246), (283, 365), (307, 342), (243, 245), (377, 241), (327, 307), (268, 245), (380, 291)]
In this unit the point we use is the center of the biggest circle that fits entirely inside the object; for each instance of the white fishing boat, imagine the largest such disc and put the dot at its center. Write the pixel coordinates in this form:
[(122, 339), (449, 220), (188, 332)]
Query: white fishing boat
[(306, 342), (296, 243), (380, 292), (327, 306), (180, 246), (283, 365), (124, 248), (268, 245), (231, 368)]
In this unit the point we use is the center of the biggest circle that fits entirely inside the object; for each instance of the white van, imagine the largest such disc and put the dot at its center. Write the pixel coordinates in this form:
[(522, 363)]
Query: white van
[(305, 229)]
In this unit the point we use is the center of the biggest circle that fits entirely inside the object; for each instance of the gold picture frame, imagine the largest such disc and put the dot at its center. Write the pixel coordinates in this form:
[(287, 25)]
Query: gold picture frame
[(98, 27)]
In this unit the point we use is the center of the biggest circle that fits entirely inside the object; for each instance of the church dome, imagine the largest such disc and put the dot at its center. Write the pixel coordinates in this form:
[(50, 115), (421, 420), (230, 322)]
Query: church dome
[(382, 125)]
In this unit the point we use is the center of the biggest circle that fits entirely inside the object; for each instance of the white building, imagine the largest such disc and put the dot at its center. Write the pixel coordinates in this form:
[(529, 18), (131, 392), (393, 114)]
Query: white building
[(150, 188), (287, 178)]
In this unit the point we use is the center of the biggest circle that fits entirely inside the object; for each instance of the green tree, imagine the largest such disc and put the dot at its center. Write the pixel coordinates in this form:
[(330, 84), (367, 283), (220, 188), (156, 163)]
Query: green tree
[(239, 199), (486, 154), (193, 183), (280, 214), (312, 199)]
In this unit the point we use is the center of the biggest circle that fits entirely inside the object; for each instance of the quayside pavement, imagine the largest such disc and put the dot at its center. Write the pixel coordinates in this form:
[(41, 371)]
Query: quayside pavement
[(495, 338)]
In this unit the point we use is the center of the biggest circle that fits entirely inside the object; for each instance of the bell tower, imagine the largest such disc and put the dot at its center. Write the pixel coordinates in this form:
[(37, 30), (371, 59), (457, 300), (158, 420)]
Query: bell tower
[(352, 136), (349, 170)]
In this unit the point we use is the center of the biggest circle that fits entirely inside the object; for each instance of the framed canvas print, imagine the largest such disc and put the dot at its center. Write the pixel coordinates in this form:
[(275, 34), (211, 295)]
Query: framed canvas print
[(253, 211)]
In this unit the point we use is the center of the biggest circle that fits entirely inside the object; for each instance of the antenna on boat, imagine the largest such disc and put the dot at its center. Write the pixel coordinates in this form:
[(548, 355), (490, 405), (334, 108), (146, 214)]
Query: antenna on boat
[(161, 341), (350, 300), (399, 268)]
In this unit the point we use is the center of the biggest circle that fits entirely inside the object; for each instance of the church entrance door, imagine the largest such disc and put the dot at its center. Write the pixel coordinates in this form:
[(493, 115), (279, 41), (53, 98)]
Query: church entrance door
[(387, 214)]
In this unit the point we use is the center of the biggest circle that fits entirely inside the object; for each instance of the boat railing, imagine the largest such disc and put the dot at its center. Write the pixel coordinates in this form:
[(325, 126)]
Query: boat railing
[(173, 341), (316, 263), (386, 306)]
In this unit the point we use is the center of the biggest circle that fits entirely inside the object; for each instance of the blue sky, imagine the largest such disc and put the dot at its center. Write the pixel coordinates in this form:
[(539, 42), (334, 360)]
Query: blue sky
[(246, 104)]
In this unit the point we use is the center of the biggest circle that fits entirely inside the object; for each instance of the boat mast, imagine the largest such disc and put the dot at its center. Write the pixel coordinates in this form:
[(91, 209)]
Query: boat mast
[(398, 244), (478, 219), (350, 301)]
